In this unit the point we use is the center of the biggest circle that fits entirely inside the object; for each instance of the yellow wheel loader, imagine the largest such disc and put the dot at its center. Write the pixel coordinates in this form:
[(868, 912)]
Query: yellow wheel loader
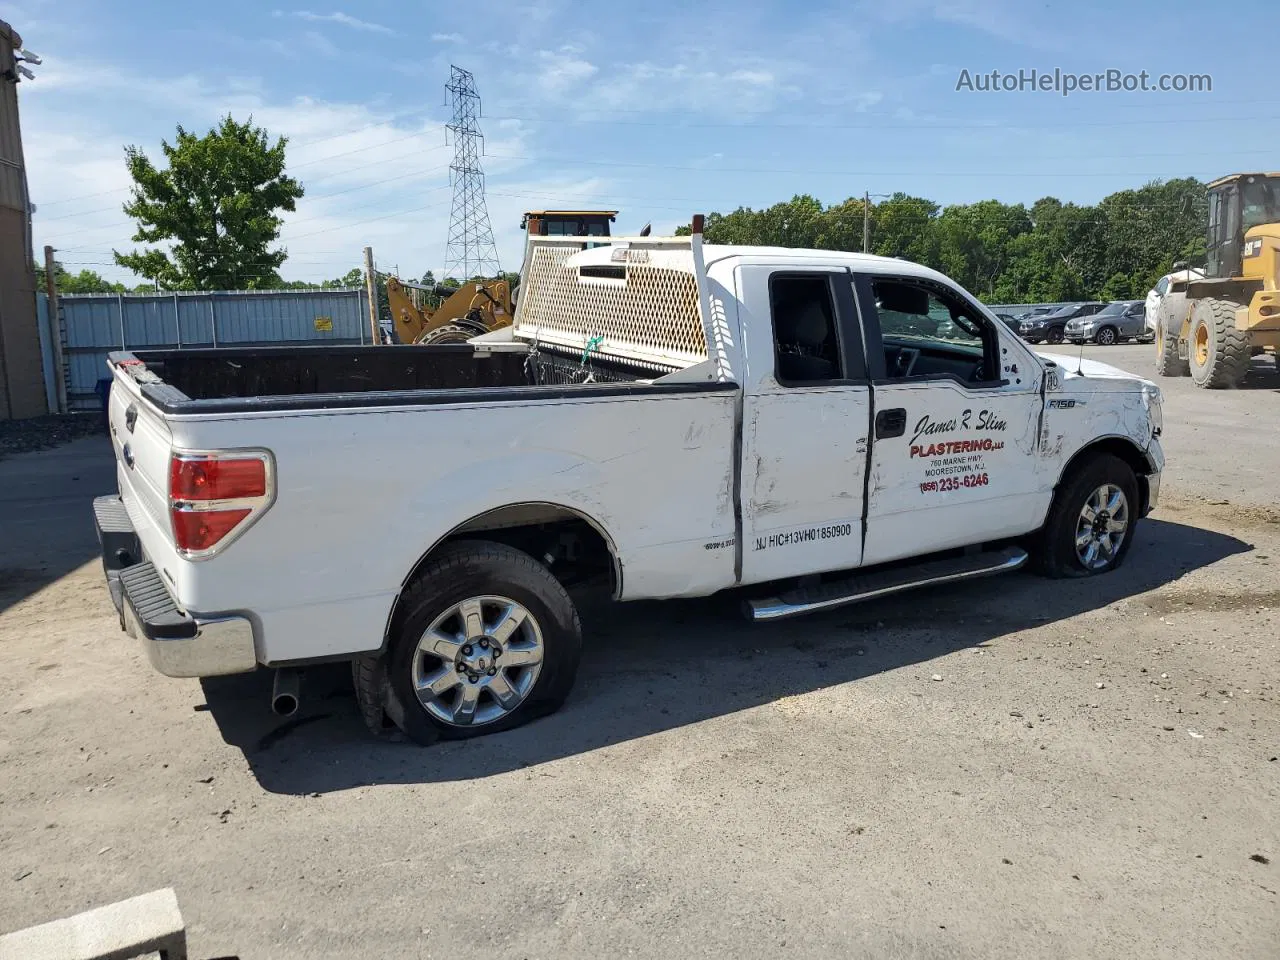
[(464, 312), (1210, 329)]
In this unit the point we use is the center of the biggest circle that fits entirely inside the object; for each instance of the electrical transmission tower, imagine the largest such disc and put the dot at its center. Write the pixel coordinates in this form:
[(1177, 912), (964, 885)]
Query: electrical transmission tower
[(471, 251)]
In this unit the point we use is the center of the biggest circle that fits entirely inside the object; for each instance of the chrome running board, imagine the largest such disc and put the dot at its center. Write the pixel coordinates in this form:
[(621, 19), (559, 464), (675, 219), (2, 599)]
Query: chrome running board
[(867, 586)]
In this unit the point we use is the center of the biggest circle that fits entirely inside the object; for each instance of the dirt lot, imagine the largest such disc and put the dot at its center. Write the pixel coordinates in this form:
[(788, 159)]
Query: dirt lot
[(1094, 774)]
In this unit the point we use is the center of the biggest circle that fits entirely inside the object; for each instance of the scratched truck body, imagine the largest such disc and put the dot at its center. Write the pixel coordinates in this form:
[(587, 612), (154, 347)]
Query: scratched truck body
[(667, 418)]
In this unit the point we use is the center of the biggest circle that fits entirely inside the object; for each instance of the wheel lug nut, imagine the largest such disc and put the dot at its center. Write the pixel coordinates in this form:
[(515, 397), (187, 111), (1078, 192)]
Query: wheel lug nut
[(466, 650), (472, 677), (484, 644), (461, 668), (493, 671)]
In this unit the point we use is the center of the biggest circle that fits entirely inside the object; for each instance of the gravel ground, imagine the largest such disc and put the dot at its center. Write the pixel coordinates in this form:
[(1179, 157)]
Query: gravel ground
[(1013, 768), (41, 433)]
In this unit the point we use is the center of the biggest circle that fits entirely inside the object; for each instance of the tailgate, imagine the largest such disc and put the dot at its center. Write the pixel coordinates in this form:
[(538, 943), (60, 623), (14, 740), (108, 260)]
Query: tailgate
[(142, 441)]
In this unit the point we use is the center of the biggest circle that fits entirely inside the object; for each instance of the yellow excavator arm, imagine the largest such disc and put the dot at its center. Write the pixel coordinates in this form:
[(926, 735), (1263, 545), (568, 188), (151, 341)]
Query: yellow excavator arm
[(466, 311)]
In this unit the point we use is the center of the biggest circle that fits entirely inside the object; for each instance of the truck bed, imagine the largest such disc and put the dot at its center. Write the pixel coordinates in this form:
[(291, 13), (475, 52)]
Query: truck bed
[(225, 380)]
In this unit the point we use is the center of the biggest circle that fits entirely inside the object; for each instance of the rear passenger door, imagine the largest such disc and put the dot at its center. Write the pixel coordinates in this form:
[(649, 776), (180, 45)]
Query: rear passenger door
[(805, 422)]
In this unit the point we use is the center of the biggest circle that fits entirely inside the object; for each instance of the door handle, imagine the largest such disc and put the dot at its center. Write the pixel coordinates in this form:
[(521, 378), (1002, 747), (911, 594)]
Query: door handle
[(891, 423), (126, 455)]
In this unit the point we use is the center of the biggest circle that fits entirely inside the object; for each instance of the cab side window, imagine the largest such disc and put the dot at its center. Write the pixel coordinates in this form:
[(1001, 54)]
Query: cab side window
[(806, 347), (929, 332)]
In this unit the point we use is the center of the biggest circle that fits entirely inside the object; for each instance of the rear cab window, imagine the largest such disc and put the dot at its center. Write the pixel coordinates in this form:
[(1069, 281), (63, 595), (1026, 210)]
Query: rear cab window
[(806, 340)]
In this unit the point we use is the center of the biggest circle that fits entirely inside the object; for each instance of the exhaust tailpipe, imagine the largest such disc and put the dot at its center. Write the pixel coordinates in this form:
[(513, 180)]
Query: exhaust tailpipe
[(286, 692)]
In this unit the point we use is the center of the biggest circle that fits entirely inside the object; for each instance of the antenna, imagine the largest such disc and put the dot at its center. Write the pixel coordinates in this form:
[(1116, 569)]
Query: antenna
[(471, 251), (1080, 361)]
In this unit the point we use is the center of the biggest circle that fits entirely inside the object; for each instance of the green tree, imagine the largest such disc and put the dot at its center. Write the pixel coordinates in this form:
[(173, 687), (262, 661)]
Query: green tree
[(903, 226), (216, 204), (86, 281)]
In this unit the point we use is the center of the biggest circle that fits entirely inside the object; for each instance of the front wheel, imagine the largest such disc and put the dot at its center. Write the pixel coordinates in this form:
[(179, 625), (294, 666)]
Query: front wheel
[(1106, 337), (1219, 352), (1092, 520), (488, 640), (1055, 335)]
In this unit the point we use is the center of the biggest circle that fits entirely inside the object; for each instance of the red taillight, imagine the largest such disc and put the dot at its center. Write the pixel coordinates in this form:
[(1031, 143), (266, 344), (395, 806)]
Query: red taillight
[(197, 531), (213, 496), (209, 478)]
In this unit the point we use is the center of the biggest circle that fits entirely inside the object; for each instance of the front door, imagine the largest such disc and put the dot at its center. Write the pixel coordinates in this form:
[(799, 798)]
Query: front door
[(953, 455), (805, 424)]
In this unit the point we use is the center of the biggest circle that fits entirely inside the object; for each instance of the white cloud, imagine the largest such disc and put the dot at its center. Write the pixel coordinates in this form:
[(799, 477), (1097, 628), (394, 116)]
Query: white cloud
[(560, 72), (446, 38), (343, 19), (319, 44), (652, 86)]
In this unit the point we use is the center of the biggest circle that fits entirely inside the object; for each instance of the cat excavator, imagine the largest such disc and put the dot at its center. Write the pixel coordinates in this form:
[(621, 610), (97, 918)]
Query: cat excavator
[(479, 306)]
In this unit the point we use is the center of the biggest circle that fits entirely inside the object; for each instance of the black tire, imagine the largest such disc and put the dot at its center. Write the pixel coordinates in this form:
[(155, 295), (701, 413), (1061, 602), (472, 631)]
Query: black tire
[(1055, 550), (1218, 353), (449, 333), (1054, 335), (473, 568), (1107, 337), (1168, 363), (369, 677)]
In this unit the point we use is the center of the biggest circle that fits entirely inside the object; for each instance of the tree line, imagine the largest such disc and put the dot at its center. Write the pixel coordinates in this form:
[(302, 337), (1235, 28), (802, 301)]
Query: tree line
[(1004, 253)]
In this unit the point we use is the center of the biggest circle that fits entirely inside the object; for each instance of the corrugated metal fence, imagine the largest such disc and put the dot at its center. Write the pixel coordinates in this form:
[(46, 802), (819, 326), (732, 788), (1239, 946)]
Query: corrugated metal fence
[(93, 325)]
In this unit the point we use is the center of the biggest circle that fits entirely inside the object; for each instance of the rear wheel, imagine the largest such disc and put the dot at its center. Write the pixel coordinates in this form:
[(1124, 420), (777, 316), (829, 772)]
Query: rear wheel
[(1091, 523), (1168, 363), (1218, 353), (488, 640), (1107, 337)]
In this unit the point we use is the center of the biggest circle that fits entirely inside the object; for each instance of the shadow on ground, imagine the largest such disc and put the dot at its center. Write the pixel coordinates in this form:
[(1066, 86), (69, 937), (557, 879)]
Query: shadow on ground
[(1264, 374), (46, 513), (665, 665)]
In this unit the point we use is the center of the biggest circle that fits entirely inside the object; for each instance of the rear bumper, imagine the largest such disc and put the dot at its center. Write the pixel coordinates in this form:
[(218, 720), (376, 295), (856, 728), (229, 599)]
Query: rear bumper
[(177, 643)]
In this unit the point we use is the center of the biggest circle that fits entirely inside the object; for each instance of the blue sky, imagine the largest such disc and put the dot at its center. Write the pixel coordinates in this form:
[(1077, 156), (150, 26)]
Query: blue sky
[(658, 109)]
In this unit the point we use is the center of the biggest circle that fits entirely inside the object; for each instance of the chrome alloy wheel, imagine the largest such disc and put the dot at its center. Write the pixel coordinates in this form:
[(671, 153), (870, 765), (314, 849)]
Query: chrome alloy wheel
[(478, 661), (1100, 531)]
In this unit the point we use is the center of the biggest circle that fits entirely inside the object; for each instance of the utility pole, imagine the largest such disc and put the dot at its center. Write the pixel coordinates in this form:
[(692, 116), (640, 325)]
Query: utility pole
[(371, 288), (866, 221), (55, 331)]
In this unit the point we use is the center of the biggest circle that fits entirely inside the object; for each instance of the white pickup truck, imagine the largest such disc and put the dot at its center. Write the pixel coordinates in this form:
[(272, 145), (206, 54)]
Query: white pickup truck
[(809, 427)]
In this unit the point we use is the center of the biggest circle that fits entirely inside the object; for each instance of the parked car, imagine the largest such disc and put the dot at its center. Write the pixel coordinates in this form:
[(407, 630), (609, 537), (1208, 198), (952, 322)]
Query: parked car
[(663, 418), (1010, 321), (1156, 294), (1118, 321), (1035, 312), (1051, 327)]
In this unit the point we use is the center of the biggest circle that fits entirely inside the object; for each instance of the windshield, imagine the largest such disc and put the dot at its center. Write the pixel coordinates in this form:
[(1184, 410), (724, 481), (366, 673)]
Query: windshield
[(1260, 201), (1112, 309)]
